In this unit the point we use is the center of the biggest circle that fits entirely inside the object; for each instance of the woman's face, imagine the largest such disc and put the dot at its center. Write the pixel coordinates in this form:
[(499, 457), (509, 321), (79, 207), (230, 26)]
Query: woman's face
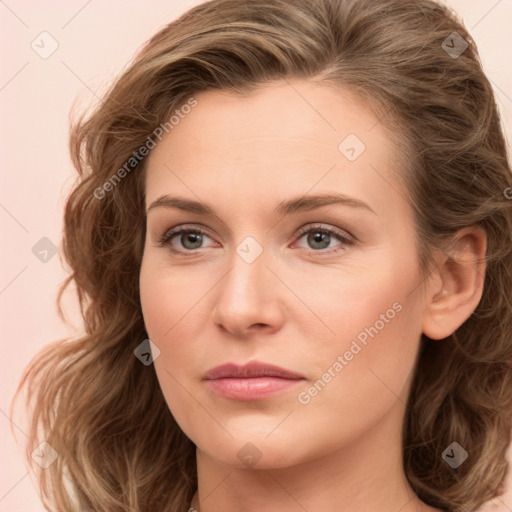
[(301, 254)]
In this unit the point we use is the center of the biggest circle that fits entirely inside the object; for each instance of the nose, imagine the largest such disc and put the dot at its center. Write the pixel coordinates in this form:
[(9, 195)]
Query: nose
[(249, 298)]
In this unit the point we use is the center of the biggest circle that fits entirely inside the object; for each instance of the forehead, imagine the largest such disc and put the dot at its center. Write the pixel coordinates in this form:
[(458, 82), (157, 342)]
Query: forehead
[(283, 112), (292, 134)]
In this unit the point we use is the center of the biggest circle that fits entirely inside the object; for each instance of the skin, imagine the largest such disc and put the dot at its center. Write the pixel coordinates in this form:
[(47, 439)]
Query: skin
[(243, 155)]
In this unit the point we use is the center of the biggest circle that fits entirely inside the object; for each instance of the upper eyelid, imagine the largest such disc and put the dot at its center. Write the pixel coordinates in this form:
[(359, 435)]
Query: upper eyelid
[(186, 227)]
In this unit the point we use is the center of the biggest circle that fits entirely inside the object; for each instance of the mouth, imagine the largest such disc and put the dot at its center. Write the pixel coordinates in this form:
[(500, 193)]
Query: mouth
[(253, 381)]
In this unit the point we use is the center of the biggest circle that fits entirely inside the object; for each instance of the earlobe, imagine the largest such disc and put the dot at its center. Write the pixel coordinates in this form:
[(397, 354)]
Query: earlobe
[(456, 285)]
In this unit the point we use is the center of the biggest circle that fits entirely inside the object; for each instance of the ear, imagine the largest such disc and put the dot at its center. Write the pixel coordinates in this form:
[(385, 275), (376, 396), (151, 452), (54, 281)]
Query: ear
[(455, 286)]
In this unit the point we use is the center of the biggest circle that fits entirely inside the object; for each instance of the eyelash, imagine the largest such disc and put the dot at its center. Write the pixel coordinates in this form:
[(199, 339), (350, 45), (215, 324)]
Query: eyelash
[(167, 237)]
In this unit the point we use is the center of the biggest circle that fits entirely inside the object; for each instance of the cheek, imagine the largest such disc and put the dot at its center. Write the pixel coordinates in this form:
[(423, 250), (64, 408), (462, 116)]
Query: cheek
[(176, 305), (367, 302), (375, 325), (166, 300), (156, 302), (369, 365), (167, 297)]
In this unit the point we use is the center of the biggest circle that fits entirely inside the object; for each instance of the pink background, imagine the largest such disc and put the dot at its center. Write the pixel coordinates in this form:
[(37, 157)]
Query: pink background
[(95, 41)]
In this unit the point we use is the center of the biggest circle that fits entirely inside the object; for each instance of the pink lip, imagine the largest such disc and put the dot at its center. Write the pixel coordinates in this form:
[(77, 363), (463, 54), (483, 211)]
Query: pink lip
[(252, 381), (251, 369)]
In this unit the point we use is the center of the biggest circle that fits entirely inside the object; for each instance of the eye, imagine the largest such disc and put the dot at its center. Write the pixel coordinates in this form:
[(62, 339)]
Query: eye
[(184, 239), (322, 240)]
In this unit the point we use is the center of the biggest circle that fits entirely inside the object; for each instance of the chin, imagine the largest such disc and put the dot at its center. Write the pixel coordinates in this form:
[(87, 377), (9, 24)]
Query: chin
[(258, 450)]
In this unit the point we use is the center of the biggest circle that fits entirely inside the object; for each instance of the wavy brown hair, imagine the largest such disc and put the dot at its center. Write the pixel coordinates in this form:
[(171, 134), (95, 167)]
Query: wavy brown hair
[(119, 447)]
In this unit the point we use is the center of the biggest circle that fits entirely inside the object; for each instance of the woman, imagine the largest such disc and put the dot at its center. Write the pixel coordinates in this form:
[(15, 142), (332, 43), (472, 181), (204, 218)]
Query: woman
[(291, 243)]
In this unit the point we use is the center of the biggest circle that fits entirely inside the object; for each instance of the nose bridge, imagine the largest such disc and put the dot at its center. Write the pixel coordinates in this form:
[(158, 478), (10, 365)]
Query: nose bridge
[(246, 296), (247, 279)]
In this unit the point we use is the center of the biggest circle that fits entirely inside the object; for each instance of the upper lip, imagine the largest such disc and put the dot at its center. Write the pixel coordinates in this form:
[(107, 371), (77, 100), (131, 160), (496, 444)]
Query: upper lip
[(251, 369)]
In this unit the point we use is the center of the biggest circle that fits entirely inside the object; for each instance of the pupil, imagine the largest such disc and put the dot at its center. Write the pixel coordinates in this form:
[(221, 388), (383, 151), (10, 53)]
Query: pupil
[(316, 237), (194, 238)]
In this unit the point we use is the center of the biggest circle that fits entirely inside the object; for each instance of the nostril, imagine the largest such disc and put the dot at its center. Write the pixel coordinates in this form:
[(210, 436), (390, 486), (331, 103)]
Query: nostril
[(258, 326)]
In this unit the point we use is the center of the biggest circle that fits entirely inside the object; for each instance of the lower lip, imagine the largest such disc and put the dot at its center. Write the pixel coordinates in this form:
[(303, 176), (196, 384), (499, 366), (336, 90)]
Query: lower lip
[(251, 388)]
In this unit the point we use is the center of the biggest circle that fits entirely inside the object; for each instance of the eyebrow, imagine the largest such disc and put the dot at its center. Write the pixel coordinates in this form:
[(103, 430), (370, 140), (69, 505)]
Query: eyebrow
[(288, 207)]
